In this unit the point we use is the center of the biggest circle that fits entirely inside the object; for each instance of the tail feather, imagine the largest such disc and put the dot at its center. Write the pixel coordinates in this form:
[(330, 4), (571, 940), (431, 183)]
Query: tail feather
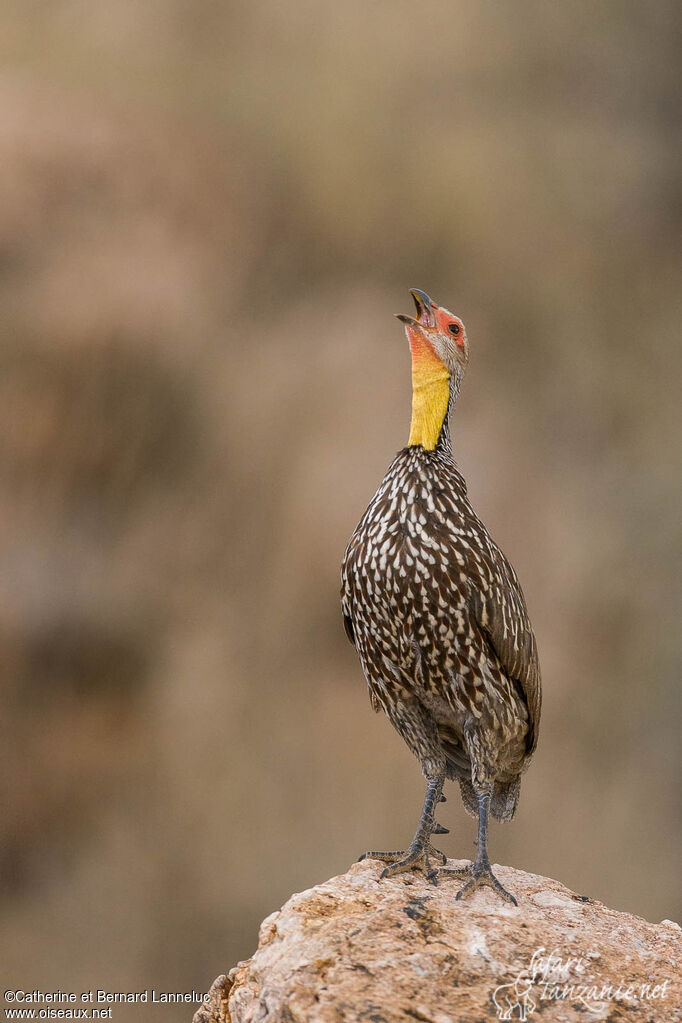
[(505, 798)]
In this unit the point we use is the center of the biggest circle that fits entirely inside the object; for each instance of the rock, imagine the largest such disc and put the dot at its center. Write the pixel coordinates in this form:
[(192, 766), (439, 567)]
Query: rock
[(359, 949)]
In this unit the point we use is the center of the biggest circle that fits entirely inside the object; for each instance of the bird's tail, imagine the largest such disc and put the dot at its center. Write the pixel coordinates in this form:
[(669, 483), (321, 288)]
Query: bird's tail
[(504, 799)]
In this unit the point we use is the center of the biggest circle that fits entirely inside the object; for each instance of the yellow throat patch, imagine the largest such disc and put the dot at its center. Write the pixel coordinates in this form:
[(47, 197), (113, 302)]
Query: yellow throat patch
[(430, 394)]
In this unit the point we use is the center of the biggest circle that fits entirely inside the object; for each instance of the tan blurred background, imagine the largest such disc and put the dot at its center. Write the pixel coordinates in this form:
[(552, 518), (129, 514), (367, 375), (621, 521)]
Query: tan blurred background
[(209, 213)]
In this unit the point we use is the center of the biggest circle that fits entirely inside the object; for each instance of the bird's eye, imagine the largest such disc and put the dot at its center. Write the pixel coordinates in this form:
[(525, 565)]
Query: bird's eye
[(454, 328)]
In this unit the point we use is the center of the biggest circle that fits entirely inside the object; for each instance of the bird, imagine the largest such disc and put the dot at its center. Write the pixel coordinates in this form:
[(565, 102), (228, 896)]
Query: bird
[(437, 616)]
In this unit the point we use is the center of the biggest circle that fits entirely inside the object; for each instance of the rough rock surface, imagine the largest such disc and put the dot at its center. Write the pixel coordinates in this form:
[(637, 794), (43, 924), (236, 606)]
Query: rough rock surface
[(356, 948)]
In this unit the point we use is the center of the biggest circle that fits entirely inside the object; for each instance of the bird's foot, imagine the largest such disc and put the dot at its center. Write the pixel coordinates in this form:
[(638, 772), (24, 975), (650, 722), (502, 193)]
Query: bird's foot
[(417, 857), (433, 875), (480, 873)]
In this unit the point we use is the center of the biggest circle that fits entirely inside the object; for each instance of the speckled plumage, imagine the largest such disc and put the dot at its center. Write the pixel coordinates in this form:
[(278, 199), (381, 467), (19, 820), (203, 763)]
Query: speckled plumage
[(439, 621)]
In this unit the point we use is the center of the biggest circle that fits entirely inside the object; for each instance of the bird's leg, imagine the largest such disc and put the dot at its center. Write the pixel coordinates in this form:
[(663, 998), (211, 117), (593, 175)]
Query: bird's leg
[(480, 871), (420, 851)]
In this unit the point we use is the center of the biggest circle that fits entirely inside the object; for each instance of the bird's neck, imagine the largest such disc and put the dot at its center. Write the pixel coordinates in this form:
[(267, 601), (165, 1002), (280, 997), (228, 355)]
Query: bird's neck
[(433, 395)]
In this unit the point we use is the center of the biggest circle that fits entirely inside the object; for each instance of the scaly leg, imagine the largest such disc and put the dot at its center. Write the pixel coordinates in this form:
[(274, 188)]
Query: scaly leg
[(420, 851), (480, 871)]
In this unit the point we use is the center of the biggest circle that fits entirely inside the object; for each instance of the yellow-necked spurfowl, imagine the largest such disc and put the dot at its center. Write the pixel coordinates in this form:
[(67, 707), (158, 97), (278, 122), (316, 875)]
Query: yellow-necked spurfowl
[(437, 616)]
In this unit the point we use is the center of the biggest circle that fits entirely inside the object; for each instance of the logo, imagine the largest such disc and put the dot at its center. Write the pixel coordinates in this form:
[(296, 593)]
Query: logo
[(551, 977), (510, 997)]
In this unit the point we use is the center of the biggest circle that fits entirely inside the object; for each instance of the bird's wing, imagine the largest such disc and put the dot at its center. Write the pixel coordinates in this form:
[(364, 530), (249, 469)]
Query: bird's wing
[(347, 589), (498, 604), (348, 626)]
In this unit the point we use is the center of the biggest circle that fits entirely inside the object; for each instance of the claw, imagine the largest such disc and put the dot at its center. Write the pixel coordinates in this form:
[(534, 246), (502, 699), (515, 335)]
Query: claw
[(421, 851), (433, 875), (484, 876), (480, 874), (415, 857), (387, 857)]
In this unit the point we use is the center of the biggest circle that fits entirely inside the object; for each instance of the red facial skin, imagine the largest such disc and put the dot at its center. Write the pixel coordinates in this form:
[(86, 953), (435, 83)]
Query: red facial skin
[(443, 321)]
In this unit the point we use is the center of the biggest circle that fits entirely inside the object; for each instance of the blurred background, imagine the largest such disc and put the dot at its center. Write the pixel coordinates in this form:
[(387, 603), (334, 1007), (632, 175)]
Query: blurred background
[(209, 213)]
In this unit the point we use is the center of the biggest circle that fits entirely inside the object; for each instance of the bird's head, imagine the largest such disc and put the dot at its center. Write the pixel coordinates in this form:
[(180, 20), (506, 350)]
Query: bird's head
[(440, 353), (436, 332)]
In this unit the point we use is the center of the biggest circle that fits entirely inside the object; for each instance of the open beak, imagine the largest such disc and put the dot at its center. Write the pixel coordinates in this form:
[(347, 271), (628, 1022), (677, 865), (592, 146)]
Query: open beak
[(425, 314)]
